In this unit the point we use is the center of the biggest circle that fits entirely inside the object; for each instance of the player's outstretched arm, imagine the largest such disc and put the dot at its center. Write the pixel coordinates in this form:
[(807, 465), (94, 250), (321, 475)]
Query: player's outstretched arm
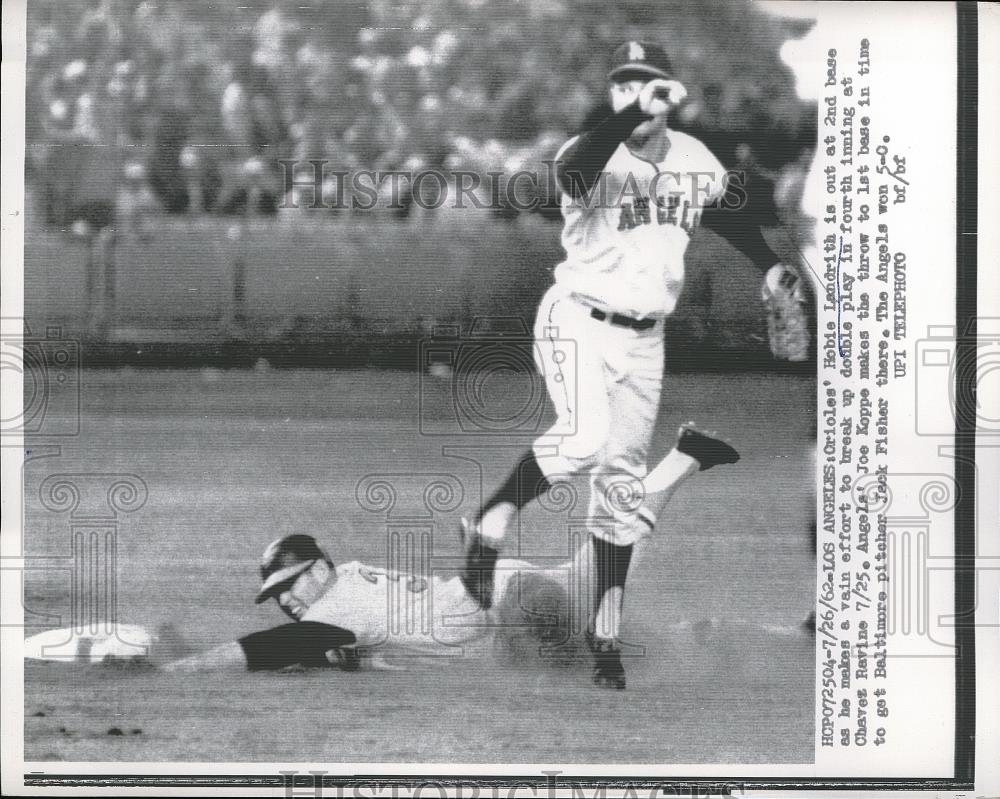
[(744, 234), (736, 227), (303, 643), (580, 163), (228, 655)]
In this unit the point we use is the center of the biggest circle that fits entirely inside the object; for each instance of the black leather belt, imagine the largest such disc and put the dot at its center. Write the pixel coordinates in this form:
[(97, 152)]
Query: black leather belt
[(621, 320)]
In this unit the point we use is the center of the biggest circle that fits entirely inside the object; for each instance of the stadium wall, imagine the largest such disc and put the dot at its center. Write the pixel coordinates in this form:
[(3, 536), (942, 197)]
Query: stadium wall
[(312, 283)]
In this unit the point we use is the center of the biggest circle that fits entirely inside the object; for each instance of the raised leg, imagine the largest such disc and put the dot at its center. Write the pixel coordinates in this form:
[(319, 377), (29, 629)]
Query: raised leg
[(483, 537)]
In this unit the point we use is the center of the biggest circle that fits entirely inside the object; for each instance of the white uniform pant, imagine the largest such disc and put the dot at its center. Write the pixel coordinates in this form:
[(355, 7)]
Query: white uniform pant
[(604, 381)]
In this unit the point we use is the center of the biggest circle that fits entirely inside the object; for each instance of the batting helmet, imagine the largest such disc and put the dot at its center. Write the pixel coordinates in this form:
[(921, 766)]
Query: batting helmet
[(284, 560)]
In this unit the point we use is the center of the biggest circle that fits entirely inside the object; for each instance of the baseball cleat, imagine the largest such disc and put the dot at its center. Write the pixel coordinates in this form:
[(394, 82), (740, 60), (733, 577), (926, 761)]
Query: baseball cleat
[(704, 446), (480, 565), (608, 670)]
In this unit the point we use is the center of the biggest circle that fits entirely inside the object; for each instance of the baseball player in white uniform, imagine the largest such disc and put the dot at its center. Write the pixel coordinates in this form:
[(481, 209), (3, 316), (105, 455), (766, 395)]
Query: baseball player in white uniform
[(633, 192), (354, 616)]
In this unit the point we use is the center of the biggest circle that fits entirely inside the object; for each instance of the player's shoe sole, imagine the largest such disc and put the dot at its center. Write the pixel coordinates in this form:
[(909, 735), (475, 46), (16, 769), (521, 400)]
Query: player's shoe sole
[(608, 671), (705, 447), (480, 565)]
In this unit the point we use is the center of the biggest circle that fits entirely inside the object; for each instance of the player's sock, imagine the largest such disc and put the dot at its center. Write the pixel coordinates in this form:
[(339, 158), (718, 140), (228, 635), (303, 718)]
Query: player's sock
[(525, 482), (669, 473), (663, 481), (611, 564), (493, 524), (482, 542)]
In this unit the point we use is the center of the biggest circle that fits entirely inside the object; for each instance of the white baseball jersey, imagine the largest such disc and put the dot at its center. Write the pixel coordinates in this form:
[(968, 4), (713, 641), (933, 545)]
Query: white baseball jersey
[(625, 241), (401, 612)]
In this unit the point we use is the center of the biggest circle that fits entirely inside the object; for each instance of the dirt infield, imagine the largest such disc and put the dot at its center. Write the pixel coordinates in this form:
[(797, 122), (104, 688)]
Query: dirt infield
[(722, 669)]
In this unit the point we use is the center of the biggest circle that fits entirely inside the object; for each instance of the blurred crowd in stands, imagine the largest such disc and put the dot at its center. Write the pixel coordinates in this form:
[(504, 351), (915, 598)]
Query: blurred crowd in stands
[(181, 106)]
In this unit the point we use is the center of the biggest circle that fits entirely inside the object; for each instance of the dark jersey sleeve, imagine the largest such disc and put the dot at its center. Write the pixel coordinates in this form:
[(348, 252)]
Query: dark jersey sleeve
[(579, 165), (301, 643), (743, 232)]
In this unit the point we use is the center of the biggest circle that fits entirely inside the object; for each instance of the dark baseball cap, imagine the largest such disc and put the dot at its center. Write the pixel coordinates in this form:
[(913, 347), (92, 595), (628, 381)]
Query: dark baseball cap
[(285, 559), (641, 60)]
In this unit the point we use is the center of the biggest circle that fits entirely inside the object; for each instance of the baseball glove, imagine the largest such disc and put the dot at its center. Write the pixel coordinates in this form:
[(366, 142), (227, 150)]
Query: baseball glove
[(787, 318)]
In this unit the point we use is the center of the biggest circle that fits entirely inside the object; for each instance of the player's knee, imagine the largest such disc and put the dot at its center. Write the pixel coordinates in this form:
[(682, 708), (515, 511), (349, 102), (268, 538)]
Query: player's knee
[(585, 445), (624, 534), (619, 494)]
